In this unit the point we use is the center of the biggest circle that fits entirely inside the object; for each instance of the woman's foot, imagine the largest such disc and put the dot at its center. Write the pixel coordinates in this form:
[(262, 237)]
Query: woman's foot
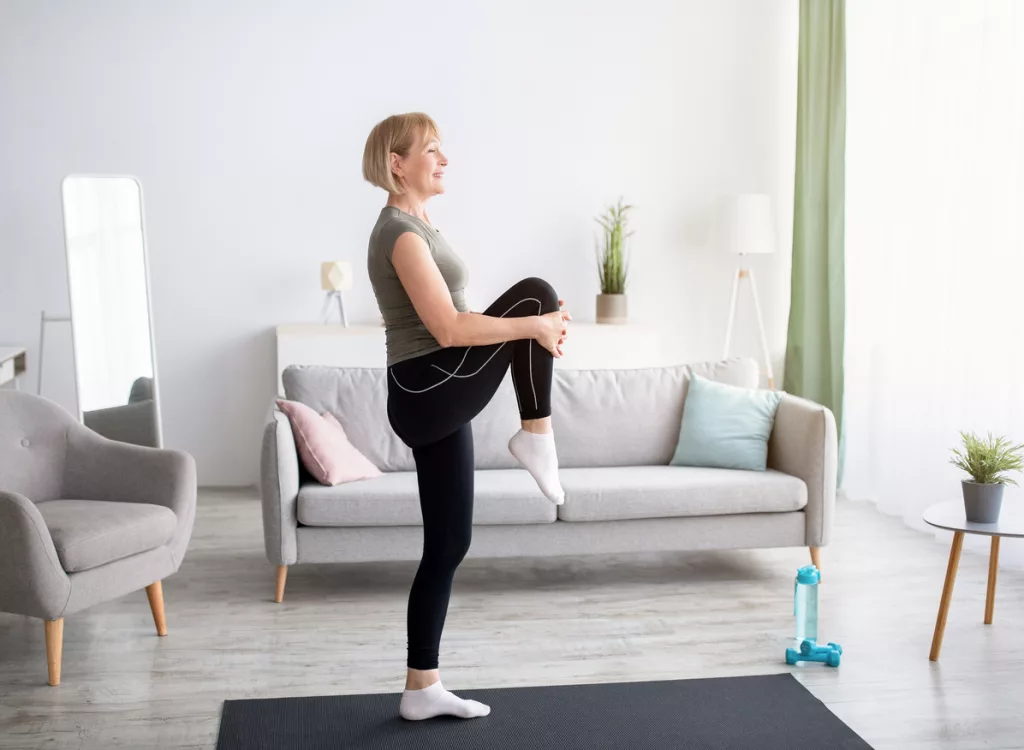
[(434, 700), (535, 451)]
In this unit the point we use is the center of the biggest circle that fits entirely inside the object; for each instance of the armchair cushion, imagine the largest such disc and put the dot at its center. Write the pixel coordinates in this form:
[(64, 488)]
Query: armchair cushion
[(90, 533)]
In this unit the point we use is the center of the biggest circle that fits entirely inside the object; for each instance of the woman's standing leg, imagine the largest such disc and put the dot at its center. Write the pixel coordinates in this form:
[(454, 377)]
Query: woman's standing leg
[(444, 471)]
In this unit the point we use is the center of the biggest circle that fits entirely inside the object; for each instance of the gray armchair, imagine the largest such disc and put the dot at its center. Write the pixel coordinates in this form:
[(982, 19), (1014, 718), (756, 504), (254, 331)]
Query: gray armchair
[(84, 519)]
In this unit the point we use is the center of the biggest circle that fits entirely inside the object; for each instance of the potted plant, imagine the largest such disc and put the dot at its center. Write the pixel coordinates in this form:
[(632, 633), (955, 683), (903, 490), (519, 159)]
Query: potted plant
[(612, 265), (986, 461)]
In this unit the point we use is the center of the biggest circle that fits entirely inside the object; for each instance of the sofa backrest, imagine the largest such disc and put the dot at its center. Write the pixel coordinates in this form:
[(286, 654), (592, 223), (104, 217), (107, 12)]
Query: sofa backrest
[(600, 417)]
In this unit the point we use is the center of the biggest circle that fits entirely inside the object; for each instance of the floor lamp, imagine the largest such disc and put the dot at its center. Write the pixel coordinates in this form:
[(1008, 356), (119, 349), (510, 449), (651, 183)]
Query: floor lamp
[(744, 226)]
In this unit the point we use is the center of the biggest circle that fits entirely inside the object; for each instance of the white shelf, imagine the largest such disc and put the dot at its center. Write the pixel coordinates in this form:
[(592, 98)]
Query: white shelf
[(12, 364), (590, 346)]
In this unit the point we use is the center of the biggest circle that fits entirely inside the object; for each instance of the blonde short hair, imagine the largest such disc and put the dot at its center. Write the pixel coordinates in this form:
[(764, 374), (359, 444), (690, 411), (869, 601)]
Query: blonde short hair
[(397, 134)]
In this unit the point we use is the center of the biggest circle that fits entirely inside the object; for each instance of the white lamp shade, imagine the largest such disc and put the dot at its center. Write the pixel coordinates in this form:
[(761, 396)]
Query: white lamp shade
[(744, 225), (336, 275)]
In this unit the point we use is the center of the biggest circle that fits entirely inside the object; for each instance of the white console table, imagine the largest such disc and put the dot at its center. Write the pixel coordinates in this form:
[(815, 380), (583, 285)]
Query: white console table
[(590, 346), (12, 365)]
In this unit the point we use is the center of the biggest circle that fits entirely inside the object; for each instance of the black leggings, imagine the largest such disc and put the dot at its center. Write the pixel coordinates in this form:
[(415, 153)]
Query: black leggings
[(431, 400)]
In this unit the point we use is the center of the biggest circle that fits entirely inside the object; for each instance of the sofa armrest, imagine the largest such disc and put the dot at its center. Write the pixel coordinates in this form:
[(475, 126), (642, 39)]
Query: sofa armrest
[(100, 469), (32, 581), (279, 489), (803, 443)]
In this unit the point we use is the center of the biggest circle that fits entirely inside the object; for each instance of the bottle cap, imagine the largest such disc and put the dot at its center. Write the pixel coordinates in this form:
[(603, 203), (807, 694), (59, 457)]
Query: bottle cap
[(808, 574)]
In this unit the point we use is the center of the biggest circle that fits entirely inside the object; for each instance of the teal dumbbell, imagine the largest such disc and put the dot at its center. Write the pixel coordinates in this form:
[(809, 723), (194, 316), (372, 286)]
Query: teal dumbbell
[(811, 651), (809, 647)]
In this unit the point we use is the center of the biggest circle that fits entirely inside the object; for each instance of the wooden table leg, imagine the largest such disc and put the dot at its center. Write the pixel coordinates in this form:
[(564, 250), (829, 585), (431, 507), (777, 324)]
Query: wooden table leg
[(993, 568), (947, 594)]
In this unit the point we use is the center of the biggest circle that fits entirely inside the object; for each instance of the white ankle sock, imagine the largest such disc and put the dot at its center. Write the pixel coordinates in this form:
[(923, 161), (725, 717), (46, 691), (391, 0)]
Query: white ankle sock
[(536, 452), (434, 700)]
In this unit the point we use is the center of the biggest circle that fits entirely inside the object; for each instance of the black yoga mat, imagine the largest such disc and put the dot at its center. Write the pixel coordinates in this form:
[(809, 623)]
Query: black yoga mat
[(770, 712)]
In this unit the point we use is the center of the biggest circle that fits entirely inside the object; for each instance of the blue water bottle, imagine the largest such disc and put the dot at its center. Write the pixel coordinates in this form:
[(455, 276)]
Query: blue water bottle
[(805, 603)]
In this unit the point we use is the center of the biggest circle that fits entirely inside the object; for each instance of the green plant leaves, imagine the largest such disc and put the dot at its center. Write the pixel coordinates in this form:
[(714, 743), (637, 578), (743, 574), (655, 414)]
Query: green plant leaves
[(612, 266), (987, 460)]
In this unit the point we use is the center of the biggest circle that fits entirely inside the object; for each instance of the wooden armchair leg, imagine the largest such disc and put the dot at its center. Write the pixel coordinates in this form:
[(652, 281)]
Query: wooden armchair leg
[(54, 648), (155, 592), (282, 576)]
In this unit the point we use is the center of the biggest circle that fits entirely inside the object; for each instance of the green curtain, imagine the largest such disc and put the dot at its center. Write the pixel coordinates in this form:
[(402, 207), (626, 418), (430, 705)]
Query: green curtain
[(814, 348)]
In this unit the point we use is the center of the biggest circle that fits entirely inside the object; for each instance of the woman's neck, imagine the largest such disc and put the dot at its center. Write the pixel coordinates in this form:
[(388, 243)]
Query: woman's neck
[(409, 204)]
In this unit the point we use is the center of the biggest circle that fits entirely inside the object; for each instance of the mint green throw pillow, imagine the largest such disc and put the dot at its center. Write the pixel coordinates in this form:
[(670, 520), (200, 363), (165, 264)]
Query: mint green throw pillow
[(725, 427)]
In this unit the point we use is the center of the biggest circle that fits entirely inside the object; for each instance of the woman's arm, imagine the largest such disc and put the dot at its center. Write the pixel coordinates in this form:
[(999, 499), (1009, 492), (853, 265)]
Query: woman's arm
[(429, 294)]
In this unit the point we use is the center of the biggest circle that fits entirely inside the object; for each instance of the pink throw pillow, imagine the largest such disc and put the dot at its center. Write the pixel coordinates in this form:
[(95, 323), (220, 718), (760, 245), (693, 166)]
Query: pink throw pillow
[(324, 447)]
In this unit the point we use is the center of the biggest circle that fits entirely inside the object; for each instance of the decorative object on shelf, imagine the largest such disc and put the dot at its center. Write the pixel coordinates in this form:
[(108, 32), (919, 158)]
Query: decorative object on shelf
[(335, 278), (986, 460), (743, 225), (612, 265)]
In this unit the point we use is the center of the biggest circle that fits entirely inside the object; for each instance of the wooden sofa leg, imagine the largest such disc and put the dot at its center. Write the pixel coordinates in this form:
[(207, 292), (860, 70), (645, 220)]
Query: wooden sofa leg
[(816, 557), (155, 592), (54, 648), (282, 576)]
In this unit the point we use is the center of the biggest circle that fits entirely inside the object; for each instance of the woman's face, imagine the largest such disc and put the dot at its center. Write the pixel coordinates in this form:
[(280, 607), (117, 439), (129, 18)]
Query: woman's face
[(422, 169)]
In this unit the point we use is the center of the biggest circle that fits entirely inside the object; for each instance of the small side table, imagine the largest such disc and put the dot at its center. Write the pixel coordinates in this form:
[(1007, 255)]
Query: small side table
[(951, 516)]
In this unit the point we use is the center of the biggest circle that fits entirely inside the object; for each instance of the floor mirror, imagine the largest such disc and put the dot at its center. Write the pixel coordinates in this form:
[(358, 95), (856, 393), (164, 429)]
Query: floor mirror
[(111, 320)]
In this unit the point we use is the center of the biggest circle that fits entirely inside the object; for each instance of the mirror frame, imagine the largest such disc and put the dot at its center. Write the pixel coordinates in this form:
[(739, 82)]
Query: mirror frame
[(149, 295)]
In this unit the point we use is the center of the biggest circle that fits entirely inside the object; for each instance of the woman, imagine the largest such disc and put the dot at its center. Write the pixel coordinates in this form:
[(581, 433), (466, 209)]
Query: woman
[(444, 365)]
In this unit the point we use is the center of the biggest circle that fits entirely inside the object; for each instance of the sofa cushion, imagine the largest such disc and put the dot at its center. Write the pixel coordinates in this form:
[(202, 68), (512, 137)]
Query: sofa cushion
[(326, 452), (624, 492), (90, 533), (502, 496), (629, 417), (726, 427)]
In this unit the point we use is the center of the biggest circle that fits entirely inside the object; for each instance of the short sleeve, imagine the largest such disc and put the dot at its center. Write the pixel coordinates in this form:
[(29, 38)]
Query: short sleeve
[(394, 229)]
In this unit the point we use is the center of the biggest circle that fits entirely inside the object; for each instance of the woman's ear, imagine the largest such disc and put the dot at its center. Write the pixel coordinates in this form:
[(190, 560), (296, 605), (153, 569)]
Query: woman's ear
[(395, 162)]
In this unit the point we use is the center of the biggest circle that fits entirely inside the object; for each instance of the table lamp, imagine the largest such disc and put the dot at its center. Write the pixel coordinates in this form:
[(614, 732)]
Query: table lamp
[(743, 225), (335, 278)]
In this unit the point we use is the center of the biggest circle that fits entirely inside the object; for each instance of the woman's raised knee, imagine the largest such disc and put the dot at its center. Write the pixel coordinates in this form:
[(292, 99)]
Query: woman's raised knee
[(542, 290)]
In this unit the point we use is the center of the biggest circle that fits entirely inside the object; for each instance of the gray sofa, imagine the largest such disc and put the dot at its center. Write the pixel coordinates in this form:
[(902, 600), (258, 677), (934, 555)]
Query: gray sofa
[(84, 519), (615, 431)]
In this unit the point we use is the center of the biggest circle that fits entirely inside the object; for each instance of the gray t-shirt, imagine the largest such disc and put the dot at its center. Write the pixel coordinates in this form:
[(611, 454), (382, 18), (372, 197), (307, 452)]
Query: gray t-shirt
[(405, 335)]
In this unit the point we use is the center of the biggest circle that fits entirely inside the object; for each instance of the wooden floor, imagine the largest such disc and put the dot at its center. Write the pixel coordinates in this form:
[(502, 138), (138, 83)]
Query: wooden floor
[(341, 630)]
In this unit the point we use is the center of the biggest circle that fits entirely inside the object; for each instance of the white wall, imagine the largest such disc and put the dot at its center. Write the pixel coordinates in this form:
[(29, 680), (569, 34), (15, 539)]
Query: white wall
[(245, 123)]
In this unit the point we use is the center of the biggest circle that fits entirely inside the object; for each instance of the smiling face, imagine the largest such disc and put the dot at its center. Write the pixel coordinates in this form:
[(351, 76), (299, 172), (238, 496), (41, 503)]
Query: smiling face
[(421, 171)]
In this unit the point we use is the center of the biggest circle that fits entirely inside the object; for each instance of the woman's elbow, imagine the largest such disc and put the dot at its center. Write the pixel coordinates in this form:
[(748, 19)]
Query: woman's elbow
[(446, 337)]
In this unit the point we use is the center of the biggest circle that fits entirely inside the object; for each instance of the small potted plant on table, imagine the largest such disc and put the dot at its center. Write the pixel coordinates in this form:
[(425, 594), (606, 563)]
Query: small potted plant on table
[(987, 461)]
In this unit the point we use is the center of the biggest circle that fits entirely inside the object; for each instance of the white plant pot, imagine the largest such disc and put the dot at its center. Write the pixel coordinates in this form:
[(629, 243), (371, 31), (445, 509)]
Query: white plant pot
[(611, 308)]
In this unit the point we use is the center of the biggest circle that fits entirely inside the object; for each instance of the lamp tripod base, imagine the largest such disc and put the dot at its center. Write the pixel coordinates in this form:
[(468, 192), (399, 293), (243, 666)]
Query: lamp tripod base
[(325, 313), (748, 273)]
